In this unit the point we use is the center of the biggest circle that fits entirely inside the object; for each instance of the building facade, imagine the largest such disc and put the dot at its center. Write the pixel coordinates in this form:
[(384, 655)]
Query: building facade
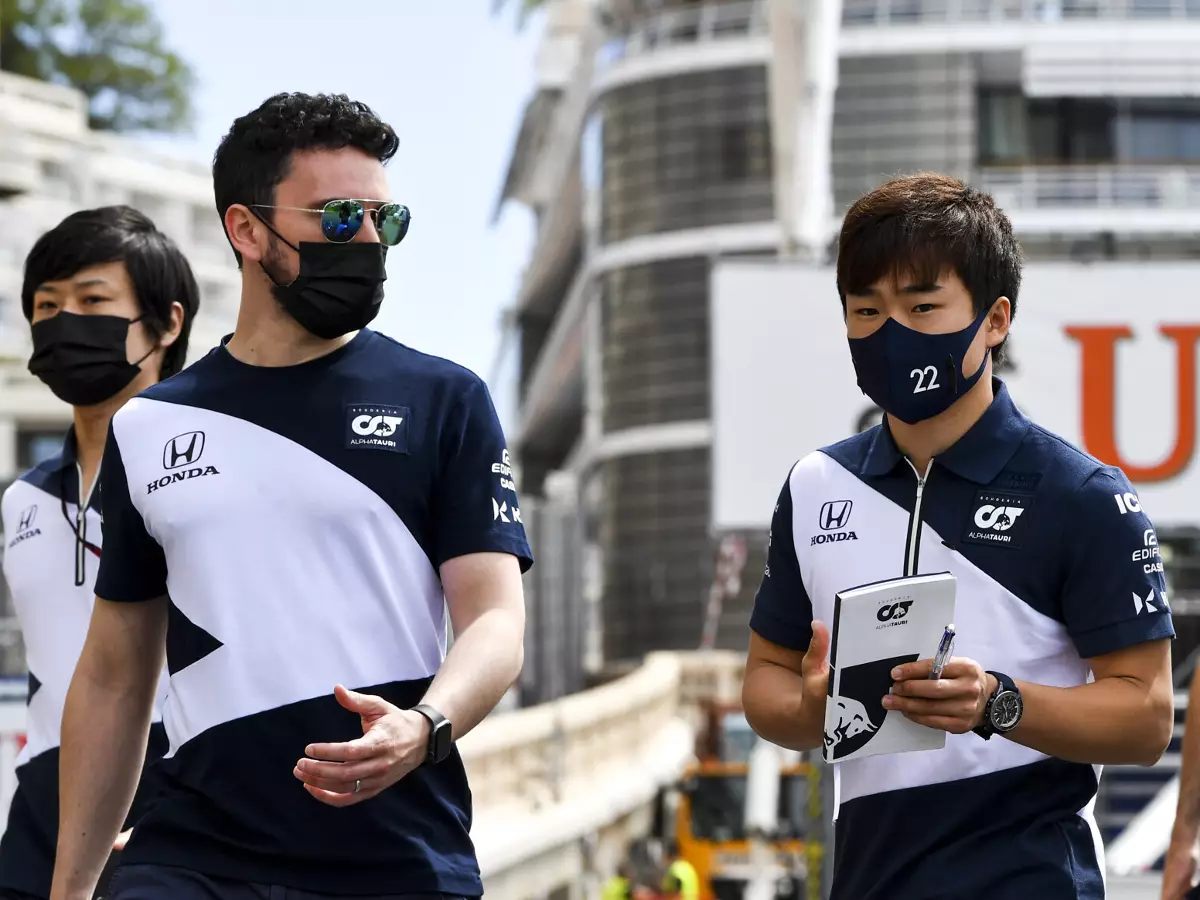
[(51, 165), (662, 136)]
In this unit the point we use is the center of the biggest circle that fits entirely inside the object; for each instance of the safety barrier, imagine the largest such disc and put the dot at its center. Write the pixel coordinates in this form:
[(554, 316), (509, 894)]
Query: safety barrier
[(583, 771), (558, 789)]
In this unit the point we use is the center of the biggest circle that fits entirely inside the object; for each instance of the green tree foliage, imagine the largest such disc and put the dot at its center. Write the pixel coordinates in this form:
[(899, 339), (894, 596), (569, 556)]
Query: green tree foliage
[(111, 50), (524, 8)]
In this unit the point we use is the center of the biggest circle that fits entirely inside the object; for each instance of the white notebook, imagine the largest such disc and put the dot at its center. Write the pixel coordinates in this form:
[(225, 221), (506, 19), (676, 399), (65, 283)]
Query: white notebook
[(875, 628)]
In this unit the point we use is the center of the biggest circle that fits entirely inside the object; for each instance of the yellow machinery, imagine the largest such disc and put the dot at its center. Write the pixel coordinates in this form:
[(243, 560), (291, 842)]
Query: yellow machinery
[(709, 814)]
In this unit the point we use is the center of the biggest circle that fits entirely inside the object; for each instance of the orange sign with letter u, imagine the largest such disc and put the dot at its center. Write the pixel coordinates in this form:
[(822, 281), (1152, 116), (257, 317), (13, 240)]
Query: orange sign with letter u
[(1098, 400)]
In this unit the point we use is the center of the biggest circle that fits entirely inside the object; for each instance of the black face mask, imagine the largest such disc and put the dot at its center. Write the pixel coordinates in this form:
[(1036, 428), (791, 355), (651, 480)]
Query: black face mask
[(82, 359), (339, 288)]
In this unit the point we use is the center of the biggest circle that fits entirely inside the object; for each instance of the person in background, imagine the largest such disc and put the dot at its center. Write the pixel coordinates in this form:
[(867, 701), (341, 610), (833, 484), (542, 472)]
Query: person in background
[(620, 885), (110, 300), (681, 880), (1179, 866)]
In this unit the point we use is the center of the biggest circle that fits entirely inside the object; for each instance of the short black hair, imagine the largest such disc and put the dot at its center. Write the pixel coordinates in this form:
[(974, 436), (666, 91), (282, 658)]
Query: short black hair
[(255, 156), (921, 225), (157, 268)]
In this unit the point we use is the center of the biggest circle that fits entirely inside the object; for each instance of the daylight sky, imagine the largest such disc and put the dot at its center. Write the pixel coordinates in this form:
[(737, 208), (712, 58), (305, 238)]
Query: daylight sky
[(453, 80)]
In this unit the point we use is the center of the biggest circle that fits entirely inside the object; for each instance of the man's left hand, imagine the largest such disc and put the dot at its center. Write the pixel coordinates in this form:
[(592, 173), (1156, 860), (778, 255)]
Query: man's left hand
[(953, 703), (393, 744)]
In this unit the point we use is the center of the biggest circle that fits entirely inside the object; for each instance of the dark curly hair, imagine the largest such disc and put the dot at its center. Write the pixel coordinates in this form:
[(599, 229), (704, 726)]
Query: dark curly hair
[(157, 268), (921, 225), (254, 157)]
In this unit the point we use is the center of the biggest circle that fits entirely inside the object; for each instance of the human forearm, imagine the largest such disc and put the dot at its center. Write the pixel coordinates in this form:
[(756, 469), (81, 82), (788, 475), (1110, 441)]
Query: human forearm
[(104, 733), (1111, 721), (482, 665), (776, 708), (1187, 813)]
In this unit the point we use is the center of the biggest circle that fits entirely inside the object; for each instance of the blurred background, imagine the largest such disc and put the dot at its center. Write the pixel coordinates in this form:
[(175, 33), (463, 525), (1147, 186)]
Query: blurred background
[(624, 218)]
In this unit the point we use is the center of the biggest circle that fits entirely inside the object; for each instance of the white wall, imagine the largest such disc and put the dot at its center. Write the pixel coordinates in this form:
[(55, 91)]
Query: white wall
[(783, 383)]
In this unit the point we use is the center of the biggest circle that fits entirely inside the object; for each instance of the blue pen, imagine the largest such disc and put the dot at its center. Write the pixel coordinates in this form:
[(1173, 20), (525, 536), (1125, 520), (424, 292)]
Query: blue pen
[(943, 652)]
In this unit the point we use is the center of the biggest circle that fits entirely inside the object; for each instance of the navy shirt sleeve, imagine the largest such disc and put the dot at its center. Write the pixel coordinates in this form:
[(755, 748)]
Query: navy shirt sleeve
[(1114, 593), (476, 508), (132, 565), (782, 609)]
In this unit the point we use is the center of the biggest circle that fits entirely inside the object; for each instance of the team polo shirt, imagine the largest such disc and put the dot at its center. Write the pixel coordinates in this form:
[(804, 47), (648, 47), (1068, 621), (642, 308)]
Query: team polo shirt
[(297, 518), (51, 556), (1056, 563)]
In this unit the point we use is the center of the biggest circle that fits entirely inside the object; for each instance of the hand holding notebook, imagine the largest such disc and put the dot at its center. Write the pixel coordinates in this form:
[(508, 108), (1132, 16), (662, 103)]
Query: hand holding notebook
[(875, 628)]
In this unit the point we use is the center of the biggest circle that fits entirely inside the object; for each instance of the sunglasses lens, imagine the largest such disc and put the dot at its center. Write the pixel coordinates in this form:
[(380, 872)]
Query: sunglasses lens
[(341, 220), (393, 222)]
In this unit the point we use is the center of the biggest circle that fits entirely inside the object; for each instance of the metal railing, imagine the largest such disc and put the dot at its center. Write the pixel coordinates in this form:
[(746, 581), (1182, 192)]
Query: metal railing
[(698, 23), (1093, 187), (927, 12)]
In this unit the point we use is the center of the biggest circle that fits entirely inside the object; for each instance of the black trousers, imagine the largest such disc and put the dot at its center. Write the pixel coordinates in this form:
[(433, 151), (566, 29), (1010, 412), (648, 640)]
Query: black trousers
[(145, 882), (101, 892)]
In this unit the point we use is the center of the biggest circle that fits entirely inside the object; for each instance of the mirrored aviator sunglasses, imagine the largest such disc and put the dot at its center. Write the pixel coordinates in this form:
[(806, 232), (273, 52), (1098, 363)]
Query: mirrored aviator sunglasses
[(342, 219)]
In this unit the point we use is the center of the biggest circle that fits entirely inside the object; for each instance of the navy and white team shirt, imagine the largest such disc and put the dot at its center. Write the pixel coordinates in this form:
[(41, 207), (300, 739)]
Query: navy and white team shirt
[(52, 543), (1056, 563), (297, 518)]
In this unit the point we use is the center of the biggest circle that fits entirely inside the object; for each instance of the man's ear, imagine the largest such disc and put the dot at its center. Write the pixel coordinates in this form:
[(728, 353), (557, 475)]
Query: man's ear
[(245, 232)]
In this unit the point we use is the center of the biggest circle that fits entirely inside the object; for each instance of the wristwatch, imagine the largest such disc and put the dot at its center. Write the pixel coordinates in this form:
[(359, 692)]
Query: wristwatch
[(440, 734), (1003, 709)]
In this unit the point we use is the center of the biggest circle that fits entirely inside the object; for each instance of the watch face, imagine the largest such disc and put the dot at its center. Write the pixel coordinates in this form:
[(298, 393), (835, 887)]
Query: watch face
[(441, 740), (1006, 710)]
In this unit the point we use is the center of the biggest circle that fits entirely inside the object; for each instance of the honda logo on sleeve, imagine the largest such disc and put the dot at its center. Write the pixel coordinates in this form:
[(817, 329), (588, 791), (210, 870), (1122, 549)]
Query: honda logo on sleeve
[(25, 529), (183, 450), (835, 514), (26, 519)]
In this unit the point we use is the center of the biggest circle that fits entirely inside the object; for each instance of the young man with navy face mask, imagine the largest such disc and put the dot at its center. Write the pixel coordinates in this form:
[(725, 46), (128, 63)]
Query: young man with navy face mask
[(110, 300), (1063, 634)]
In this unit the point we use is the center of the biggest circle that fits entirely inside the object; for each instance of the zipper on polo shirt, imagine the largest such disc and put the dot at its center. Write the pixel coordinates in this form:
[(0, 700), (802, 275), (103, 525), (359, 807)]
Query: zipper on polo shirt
[(81, 524), (912, 547)]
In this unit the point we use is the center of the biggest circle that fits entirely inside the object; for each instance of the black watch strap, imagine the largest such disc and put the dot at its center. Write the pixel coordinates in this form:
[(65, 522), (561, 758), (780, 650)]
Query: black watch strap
[(1003, 683), (440, 733)]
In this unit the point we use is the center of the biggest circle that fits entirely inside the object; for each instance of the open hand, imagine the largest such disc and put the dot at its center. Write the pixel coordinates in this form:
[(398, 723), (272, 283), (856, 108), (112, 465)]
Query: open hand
[(393, 744), (1179, 868), (953, 703)]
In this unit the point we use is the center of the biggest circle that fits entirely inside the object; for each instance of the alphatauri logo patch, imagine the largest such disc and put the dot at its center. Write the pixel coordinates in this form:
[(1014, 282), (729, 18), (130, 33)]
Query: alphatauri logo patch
[(998, 519), (370, 426)]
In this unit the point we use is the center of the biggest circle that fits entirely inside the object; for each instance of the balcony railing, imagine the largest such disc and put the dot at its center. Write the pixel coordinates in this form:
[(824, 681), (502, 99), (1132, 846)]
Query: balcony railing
[(1093, 187), (949, 12), (698, 23)]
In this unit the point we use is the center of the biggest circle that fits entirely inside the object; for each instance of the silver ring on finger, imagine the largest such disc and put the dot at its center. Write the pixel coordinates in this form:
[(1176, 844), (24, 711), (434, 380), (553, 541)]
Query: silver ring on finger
[(357, 785)]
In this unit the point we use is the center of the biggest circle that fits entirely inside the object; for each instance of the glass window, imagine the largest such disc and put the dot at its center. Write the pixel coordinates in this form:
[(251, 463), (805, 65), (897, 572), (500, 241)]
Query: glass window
[(34, 447), (686, 152), (1003, 131), (719, 807), (1161, 131), (1045, 132)]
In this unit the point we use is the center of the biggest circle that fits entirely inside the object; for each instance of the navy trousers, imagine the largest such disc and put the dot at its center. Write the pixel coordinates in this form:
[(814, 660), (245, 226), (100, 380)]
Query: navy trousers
[(145, 882)]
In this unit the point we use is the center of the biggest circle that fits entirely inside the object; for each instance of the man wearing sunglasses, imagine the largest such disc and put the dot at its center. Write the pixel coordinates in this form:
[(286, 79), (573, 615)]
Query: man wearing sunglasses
[(302, 505), (110, 300)]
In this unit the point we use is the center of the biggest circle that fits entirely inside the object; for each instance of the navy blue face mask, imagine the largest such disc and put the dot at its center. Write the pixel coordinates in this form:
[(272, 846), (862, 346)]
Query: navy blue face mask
[(911, 375)]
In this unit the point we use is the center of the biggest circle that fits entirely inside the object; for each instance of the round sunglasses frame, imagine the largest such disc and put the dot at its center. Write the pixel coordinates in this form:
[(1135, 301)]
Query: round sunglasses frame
[(342, 229)]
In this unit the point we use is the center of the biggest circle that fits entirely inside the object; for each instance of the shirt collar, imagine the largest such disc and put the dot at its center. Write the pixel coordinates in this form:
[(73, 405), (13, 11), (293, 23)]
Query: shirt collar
[(979, 455)]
